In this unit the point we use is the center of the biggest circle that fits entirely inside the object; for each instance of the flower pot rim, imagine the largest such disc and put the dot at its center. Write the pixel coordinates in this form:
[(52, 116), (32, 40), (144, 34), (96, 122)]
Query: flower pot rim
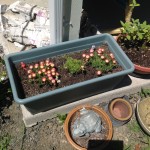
[(112, 103), (97, 109), (141, 69), (139, 117)]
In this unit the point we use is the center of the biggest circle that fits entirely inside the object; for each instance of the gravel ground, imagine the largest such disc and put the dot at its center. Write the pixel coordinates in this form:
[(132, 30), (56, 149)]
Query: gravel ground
[(49, 135)]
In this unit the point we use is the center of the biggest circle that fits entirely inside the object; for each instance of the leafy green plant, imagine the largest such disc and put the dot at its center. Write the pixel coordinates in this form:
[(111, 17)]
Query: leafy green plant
[(3, 73), (145, 93), (61, 117), (74, 66), (100, 64), (135, 31), (4, 142)]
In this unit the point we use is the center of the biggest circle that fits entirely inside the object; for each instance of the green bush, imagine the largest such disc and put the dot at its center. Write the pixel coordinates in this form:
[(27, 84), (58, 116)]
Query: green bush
[(135, 31), (73, 65), (100, 64)]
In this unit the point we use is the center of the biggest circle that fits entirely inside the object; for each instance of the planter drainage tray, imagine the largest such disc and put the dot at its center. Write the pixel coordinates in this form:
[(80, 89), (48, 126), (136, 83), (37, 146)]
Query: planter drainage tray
[(71, 93)]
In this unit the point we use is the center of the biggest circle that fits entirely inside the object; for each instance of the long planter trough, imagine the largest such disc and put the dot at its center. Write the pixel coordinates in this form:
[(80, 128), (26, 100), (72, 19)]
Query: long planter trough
[(68, 94)]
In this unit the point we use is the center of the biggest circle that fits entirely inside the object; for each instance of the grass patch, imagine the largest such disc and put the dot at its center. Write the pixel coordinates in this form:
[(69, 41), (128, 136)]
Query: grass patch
[(61, 118), (134, 127), (4, 142)]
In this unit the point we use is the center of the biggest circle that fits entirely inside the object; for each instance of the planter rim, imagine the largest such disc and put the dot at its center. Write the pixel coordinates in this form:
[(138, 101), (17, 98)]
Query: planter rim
[(126, 103), (139, 118), (141, 69), (98, 110)]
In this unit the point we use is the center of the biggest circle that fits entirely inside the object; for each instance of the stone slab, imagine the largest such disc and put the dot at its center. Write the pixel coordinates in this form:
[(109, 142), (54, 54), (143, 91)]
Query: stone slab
[(129, 85)]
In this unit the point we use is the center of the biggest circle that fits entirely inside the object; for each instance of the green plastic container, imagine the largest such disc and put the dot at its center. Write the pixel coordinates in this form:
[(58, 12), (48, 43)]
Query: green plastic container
[(68, 94)]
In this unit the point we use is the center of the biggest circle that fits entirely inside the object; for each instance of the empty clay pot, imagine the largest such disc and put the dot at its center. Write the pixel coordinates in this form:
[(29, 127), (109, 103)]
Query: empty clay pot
[(120, 111)]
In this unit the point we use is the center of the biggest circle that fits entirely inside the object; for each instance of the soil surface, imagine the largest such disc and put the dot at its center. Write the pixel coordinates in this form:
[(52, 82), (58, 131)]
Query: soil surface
[(66, 78), (137, 54)]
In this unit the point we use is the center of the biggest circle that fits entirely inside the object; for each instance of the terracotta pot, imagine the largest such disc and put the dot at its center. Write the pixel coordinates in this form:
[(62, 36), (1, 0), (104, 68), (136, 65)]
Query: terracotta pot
[(141, 70), (102, 114), (121, 110)]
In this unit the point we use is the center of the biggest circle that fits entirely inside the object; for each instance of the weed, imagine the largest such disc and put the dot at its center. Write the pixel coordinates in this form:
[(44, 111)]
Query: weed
[(61, 118), (134, 127), (3, 73), (127, 147), (145, 93), (4, 142)]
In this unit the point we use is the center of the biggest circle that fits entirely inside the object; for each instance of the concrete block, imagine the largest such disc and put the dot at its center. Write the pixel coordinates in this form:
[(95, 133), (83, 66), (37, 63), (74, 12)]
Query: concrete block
[(129, 85)]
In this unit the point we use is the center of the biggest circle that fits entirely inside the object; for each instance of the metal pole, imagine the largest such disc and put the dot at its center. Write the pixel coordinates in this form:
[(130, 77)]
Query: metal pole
[(56, 23)]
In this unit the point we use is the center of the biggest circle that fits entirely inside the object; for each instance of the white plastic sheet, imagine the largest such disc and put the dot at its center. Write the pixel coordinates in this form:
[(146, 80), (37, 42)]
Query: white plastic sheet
[(27, 24)]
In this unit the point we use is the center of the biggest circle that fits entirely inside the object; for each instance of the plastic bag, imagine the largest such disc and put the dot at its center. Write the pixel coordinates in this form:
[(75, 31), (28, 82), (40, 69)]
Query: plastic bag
[(86, 123)]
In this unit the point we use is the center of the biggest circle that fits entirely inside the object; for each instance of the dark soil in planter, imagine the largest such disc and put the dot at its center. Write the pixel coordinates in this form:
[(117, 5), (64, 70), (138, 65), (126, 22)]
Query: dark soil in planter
[(93, 139), (137, 54), (31, 89)]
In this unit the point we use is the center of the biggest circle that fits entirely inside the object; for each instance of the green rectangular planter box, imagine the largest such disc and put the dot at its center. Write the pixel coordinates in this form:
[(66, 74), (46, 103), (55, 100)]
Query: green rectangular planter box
[(68, 94)]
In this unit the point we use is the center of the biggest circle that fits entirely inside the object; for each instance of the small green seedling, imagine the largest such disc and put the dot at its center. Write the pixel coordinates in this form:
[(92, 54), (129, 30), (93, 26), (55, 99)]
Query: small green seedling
[(145, 93), (74, 66), (4, 142), (134, 127), (61, 118), (127, 147)]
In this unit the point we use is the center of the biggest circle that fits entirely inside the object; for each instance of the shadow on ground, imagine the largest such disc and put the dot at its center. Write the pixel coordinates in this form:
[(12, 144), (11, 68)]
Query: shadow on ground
[(112, 145), (126, 81)]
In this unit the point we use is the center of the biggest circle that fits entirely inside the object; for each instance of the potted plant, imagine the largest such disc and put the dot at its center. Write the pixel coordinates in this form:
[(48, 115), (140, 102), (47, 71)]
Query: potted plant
[(96, 128), (135, 41), (30, 70)]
